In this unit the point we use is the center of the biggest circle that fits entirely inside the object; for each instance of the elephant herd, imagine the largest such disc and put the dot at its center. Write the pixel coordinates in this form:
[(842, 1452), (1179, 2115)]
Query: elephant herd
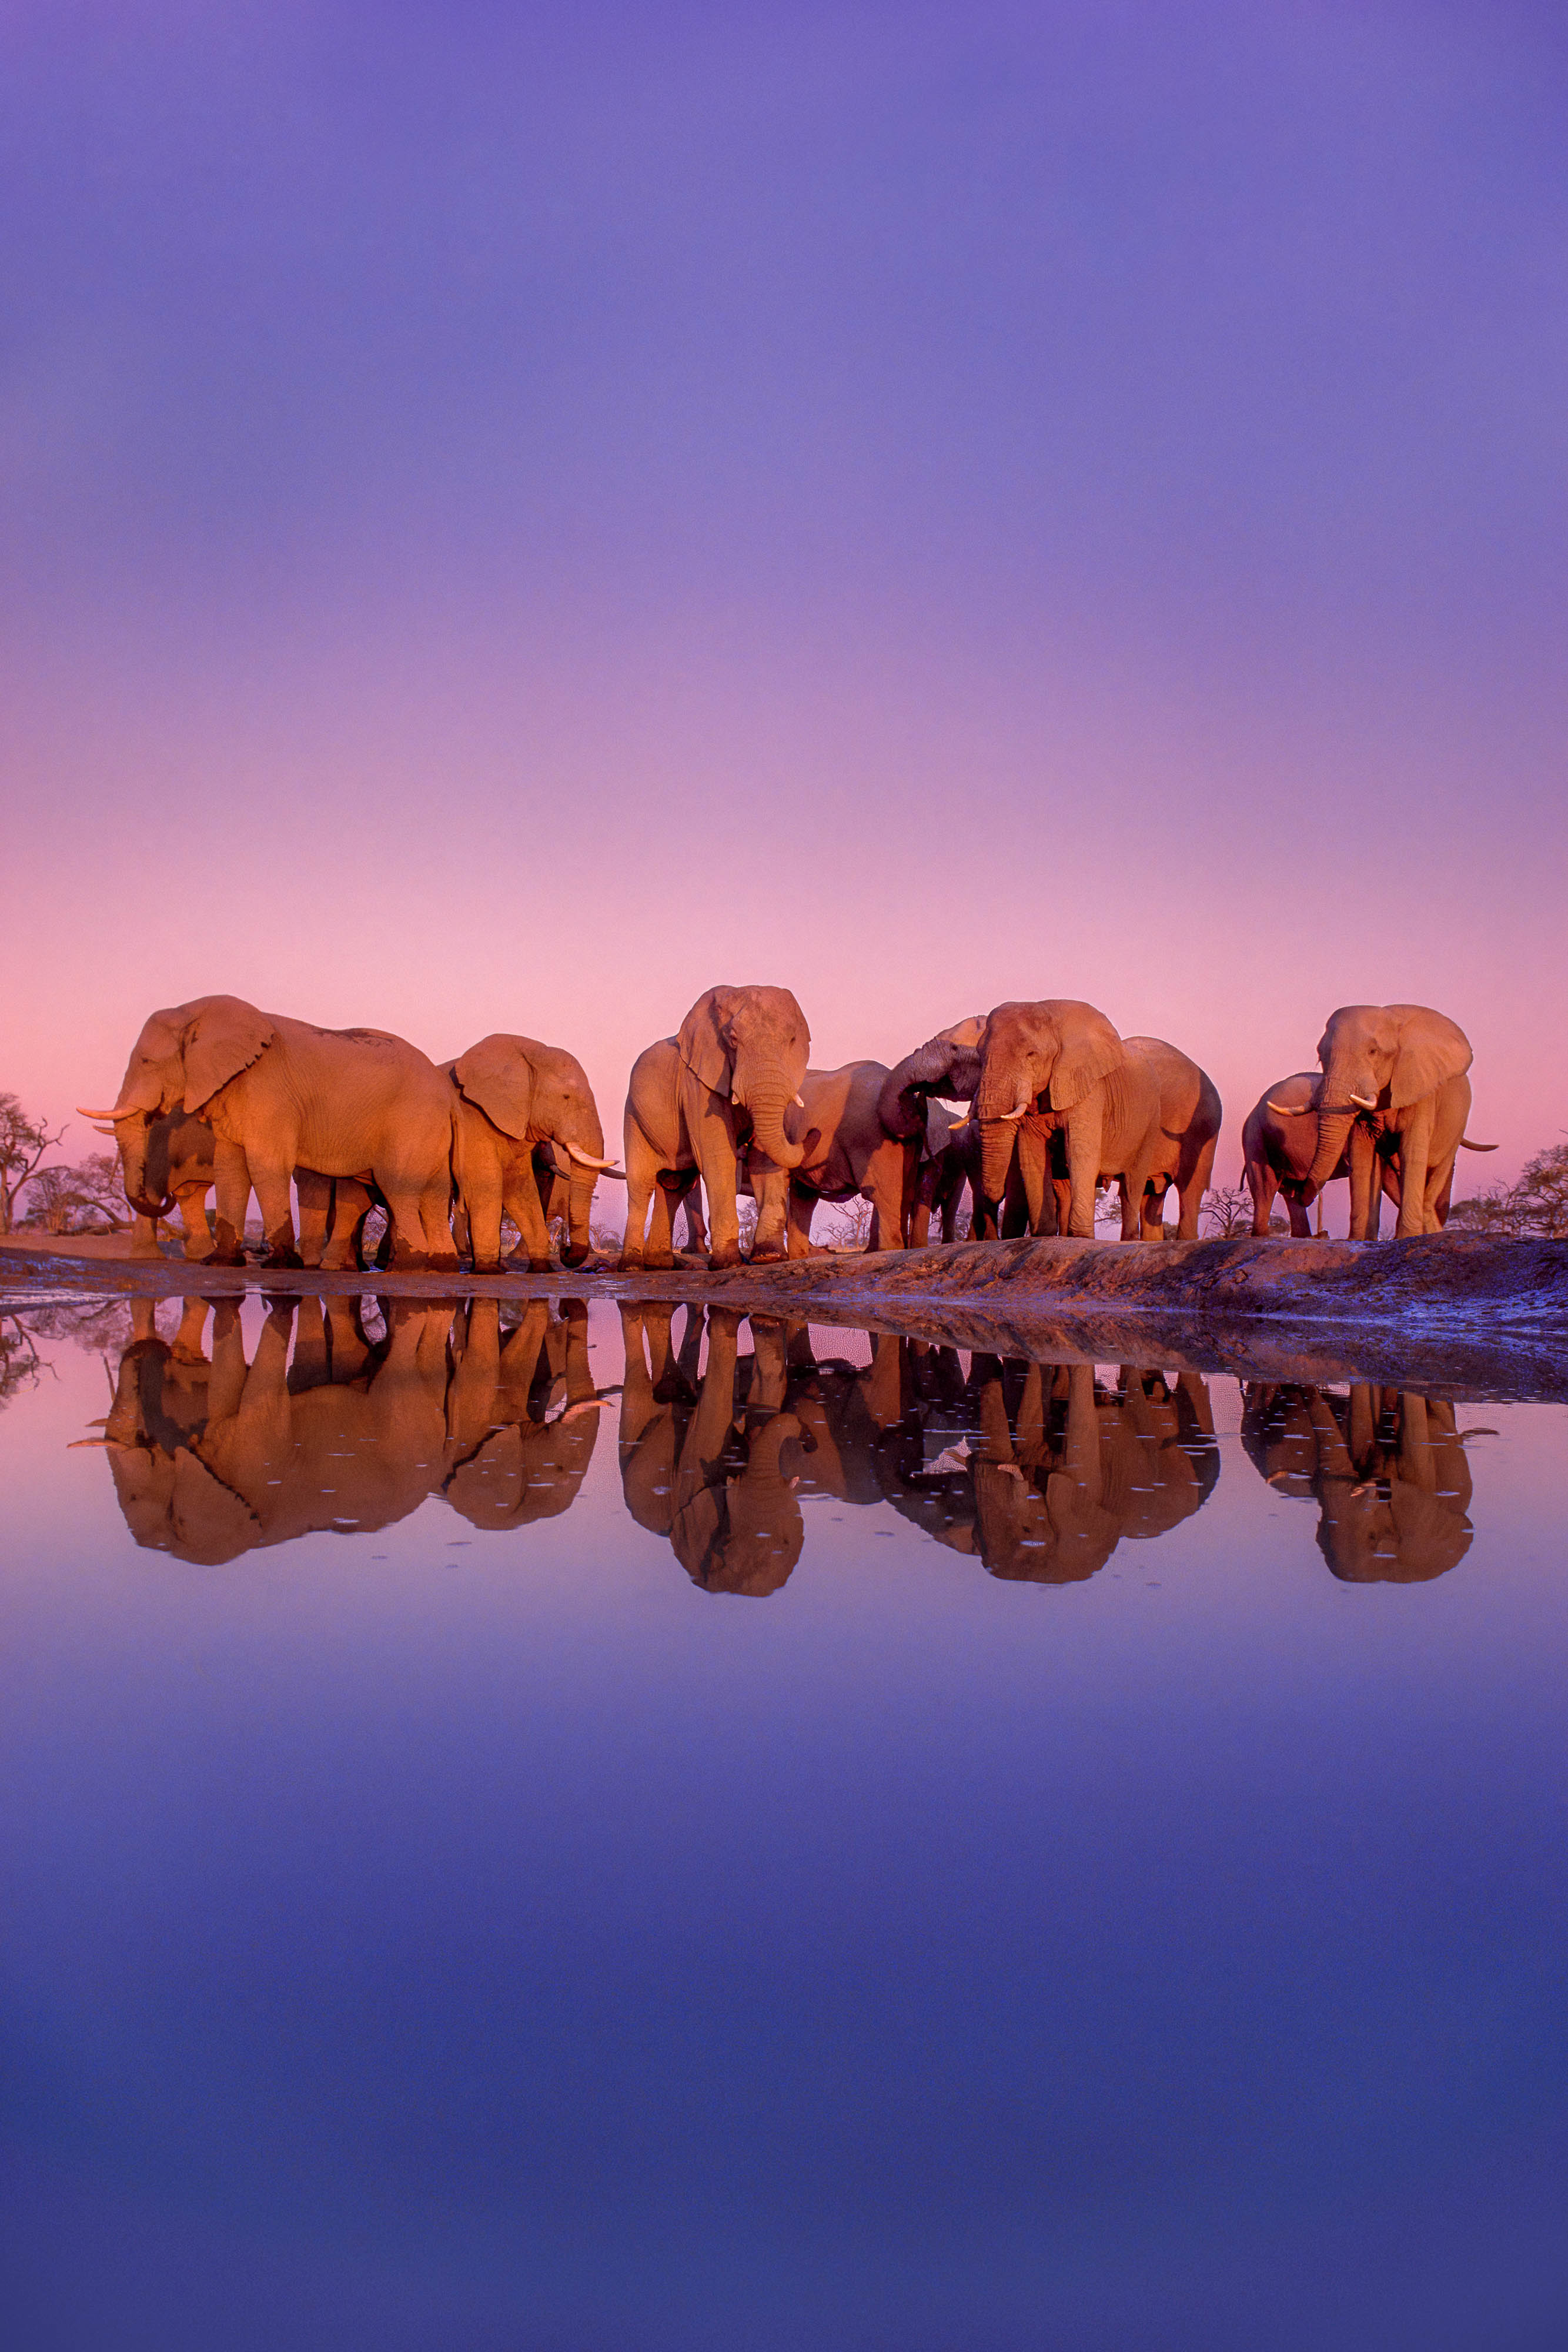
[(218, 1095), (349, 1417)]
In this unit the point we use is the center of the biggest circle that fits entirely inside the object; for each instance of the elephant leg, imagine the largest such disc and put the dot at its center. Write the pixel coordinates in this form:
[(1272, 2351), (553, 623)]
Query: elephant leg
[(231, 1173), (405, 1208), (1032, 1152), (272, 1181), (771, 1187), (350, 1207), (1365, 1167), (1263, 1182), (714, 1142), (643, 1172), (1300, 1224), (659, 1250), (1084, 1123), (144, 1237), (526, 1210), (1199, 1182), (1152, 1212), (886, 1182), (193, 1201), (802, 1206), (1415, 1154), (315, 1196), (435, 1221), (697, 1224)]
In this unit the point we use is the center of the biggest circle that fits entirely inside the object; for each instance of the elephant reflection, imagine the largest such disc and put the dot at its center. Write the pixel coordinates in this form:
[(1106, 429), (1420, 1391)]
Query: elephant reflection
[(711, 1461), (215, 1457), (1386, 1467), (522, 1413), (1033, 1467)]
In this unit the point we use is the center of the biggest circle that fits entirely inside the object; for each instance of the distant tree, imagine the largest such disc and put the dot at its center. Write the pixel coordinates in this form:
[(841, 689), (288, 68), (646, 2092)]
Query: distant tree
[(1227, 1210), (1536, 1207), (849, 1223), (80, 1199), (23, 1143)]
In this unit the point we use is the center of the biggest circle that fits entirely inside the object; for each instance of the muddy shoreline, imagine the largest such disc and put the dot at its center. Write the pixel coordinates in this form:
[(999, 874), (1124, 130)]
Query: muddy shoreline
[(1476, 1316)]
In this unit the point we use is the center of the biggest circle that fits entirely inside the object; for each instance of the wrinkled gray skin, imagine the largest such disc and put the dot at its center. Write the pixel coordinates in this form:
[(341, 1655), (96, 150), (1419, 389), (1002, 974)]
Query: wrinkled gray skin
[(719, 1096), (524, 1117), (281, 1094), (850, 1155), (1403, 1068)]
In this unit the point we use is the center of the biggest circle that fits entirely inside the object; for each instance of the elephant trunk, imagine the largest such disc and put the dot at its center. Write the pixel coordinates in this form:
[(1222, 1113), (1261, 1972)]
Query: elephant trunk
[(901, 1102), (579, 1208), (1334, 1134), (765, 1100), (999, 1139), (132, 1137)]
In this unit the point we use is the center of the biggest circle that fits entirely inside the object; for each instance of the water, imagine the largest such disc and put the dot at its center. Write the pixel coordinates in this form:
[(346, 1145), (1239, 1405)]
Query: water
[(769, 1837)]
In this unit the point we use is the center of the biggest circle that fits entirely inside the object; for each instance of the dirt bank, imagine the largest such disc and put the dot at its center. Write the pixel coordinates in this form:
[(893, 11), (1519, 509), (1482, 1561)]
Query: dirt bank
[(1479, 1314)]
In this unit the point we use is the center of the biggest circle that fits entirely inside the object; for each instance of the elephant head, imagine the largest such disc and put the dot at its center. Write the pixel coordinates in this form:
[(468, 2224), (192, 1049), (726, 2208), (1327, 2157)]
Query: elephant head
[(1379, 1057), (539, 1095), (1048, 1057), (947, 1064), (750, 1046), (183, 1057)]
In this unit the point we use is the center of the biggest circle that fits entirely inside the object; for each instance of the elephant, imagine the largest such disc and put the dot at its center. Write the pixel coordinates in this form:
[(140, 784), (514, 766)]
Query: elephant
[(1057, 1085), (522, 1413), (1277, 1155), (718, 1486), (1190, 1117), (719, 1095), (851, 1154), (1386, 1468), (519, 1108), (1402, 1066), (179, 1168), (214, 1458), (949, 1066), (279, 1094)]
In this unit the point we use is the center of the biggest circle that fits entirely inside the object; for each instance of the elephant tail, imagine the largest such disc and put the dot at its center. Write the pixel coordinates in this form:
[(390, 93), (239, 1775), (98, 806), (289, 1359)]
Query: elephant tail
[(1466, 1145)]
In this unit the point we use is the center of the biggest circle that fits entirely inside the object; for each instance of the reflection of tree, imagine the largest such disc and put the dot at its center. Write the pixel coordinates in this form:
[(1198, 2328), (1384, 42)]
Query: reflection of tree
[(21, 1366), (712, 1464), (1386, 1467), (339, 1423)]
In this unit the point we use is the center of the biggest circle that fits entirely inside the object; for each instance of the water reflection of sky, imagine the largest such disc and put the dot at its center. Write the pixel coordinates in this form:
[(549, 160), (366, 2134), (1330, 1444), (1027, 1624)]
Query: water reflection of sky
[(613, 1894)]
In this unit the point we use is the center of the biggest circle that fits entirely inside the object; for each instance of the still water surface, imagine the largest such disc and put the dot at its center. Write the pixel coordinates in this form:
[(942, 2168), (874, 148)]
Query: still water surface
[(601, 1827)]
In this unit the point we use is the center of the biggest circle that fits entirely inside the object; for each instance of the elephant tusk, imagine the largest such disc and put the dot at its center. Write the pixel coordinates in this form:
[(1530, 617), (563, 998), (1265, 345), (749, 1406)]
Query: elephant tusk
[(1292, 1110), (587, 1159), (1466, 1145), (799, 1101), (1364, 1102), (117, 1113)]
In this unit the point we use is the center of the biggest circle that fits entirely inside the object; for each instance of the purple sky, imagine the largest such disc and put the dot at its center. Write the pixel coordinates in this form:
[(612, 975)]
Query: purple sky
[(512, 515)]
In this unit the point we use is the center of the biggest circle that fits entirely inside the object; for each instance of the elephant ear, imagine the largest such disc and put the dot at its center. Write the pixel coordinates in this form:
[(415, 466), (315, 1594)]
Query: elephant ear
[(1432, 1049), (499, 1080), (702, 1043), (223, 1036), (1090, 1050)]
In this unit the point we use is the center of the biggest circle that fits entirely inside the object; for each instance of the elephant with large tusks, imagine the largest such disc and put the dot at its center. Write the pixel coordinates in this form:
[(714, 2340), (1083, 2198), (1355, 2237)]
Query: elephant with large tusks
[(1279, 1145), (524, 1115), (703, 1101), (1402, 1068), (280, 1094)]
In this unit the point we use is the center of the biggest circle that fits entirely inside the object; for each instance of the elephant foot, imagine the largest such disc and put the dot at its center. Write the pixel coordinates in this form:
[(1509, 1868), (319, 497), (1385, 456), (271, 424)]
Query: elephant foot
[(629, 1262), (442, 1262), (575, 1257), (541, 1266), (660, 1261), (286, 1261), (724, 1260), (223, 1257)]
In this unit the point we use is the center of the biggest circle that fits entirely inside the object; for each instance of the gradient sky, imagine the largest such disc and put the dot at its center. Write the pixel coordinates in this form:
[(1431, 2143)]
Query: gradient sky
[(512, 515)]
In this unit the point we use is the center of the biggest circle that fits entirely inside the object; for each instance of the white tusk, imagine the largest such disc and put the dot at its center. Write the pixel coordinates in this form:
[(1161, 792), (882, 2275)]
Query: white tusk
[(83, 1112), (1292, 1110), (1364, 1102), (799, 1101), (586, 1160)]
